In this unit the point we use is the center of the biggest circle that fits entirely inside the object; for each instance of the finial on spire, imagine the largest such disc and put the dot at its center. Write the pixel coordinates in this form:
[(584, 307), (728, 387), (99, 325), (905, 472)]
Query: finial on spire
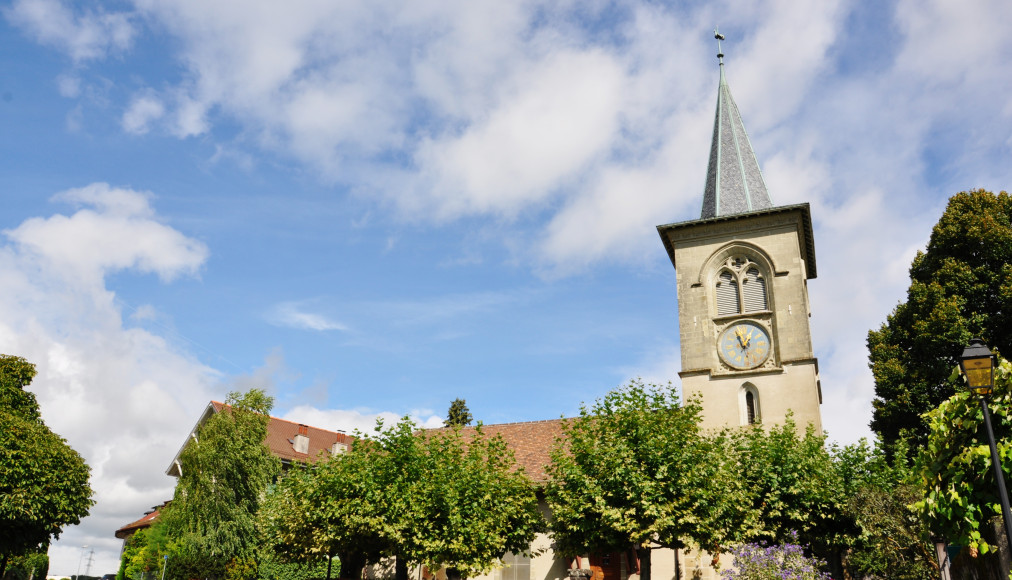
[(720, 53)]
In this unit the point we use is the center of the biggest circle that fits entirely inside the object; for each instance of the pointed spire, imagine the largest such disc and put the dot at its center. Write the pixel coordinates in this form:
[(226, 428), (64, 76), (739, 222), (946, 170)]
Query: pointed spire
[(734, 183)]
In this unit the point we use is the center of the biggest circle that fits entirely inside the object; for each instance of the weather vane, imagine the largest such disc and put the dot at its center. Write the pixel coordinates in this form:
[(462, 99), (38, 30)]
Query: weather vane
[(720, 53)]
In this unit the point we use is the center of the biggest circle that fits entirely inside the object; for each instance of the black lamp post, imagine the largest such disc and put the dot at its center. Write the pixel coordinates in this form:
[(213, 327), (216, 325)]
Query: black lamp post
[(977, 364)]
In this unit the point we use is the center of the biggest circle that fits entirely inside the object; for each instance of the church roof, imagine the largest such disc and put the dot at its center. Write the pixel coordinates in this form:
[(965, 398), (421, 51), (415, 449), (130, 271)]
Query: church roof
[(530, 441), (734, 183)]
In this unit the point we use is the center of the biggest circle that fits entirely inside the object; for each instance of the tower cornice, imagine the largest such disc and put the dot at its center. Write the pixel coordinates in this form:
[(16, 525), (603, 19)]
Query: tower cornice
[(703, 226)]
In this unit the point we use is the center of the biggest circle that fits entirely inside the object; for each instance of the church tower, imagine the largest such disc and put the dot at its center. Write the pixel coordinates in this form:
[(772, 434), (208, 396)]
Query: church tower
[(742, 273)]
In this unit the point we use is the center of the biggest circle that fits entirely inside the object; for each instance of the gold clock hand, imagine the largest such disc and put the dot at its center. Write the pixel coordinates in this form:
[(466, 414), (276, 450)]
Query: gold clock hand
[(745, 338)]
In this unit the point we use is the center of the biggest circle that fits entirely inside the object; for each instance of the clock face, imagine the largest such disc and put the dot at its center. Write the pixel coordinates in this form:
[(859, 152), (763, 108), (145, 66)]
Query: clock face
[(744, 345)]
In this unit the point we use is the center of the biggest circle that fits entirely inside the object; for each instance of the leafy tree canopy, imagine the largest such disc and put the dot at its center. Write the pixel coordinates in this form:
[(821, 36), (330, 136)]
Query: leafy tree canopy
[(226, 469), (43, 481), (30, 566), (635, 470), (960, 287), (339, 507), (960, 494), (892, 540), (458, 414), (435, 498), (470, 504), (794, 486), (17, 373)]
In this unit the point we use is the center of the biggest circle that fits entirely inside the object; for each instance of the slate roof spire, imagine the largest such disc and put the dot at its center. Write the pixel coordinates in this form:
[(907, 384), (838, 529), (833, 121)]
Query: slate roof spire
[(734, 183)]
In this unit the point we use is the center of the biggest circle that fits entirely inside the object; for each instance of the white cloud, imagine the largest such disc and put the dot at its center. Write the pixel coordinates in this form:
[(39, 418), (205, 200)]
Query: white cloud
[(659, 366), (363, 420), (503, 109), (295, 315), (122, 396), (554, 120), (118, 231), (141, 112), (69, 86), (953, 43), (191, 118), (87, 35)]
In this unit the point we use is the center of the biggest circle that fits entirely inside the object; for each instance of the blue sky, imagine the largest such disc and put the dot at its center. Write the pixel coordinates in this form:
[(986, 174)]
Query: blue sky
[(372, 208)]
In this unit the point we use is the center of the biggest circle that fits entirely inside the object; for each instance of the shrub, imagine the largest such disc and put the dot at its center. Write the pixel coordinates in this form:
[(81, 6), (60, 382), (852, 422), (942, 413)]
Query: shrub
[(777, 562)]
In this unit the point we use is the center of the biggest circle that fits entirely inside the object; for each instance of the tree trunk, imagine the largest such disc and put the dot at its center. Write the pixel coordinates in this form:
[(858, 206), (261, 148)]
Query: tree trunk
[(351, 566), (330, 562), (453, 574), (644, 554), (400, 568), (3, 564)]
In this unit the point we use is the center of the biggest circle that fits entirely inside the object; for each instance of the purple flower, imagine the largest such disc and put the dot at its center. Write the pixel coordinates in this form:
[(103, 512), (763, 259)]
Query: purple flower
[(765, 562)]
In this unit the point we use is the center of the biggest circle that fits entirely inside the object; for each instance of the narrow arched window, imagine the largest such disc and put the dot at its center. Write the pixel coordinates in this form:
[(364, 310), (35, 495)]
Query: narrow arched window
[(753, 291), (727, 294), (749, 405), (750, 408)]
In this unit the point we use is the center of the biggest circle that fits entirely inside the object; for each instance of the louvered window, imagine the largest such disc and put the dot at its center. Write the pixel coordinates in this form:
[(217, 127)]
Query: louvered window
[(727, 294), (754, 291)]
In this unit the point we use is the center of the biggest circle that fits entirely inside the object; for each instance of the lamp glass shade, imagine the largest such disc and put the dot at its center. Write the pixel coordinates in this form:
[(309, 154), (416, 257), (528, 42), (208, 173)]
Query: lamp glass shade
[(978, 374), (977, 364)]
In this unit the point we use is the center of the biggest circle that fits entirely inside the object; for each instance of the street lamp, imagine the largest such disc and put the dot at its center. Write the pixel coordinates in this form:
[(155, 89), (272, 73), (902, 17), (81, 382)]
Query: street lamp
[(977, 364)]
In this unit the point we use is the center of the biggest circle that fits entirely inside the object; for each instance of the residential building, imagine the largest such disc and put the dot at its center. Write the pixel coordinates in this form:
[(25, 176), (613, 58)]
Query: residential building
[(292, 443)]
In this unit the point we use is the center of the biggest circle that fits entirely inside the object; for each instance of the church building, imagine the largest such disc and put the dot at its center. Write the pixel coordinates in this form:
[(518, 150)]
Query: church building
[(742, 274)]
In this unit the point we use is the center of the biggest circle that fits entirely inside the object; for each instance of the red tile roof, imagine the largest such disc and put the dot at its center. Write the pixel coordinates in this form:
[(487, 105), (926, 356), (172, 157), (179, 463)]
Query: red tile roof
[(280, 439), (148, 519), (530, 441)]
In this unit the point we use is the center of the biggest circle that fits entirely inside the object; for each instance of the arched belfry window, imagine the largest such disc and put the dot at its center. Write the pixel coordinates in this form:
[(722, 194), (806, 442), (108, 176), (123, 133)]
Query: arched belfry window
[(749, 401), (740, 287)]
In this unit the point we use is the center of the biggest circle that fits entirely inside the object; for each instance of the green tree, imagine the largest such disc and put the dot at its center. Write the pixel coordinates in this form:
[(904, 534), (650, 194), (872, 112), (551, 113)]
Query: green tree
[(893, 542), (17, 373), (144, 552), (440, 498), (33, 565), (43, 481), (794, 487), (225, 472), (959, 491), (458, 414), (634, 470), (470, 506), (960, 287), (338, 507), (270, 567)]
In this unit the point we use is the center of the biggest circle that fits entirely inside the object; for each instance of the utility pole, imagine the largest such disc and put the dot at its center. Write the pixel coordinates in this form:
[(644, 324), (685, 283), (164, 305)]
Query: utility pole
[(78, 575)]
